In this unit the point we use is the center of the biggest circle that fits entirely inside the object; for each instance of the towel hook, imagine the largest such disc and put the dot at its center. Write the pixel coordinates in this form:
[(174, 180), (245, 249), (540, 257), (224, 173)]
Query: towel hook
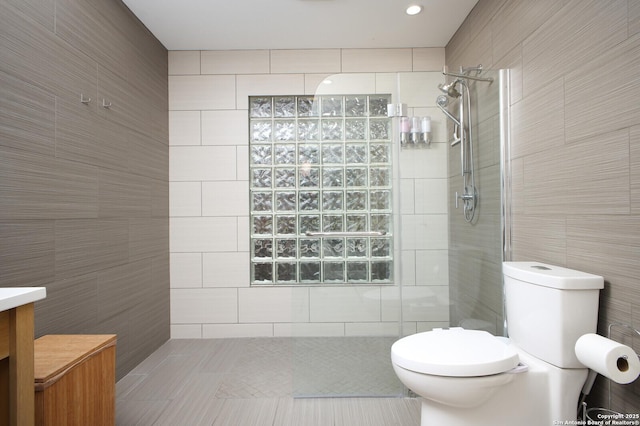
[(84, 100), (106, 104)]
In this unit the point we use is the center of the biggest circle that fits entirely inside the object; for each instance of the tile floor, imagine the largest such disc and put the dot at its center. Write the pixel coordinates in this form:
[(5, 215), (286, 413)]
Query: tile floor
[(266, 381)]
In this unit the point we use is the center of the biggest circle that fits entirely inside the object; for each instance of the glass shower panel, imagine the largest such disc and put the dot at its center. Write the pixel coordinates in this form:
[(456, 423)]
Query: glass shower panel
[(347, 240), (477, 249), (397, 280)]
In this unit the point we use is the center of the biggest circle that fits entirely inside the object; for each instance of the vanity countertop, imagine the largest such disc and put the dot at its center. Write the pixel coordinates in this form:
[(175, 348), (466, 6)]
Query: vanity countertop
[(12, 297)]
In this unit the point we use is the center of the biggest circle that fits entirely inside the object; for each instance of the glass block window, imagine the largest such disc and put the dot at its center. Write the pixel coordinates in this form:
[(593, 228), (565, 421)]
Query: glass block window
[(320, 187)]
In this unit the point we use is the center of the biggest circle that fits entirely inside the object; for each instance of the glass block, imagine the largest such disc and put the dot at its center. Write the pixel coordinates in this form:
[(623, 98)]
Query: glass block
[(309, 177), (261, 178), (263, 272), (286, 248), (355, 130), (380, 247), (381, 222), (355, 176), (378, 106), (380, 129), (353, 189), (263, 248), (309, 200), (308, 130), (357, 247), (307, 106), (333, 247), (332, 223), (308, 154), (309, 224), (285, 154), (380, 153), (260, 107), (310, 248), (332, 154), (310, 271), (286, 224), (332, 106), (332, 177), (286, 272), (261, 154), (381, 271), (356, 200), (333, 271), (380, 176), (261, 131), (332, 200), (262, 201), (262, 225), (285, 201), (356, 222), (285, 178), (332, 130), (357, 271), (285, 130), (355, 106), (356, 153), (284, 107), (380, 200)]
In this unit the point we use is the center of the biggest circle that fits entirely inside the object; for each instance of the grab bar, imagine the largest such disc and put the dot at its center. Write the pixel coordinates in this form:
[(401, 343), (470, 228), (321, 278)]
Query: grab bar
[(346, 234)]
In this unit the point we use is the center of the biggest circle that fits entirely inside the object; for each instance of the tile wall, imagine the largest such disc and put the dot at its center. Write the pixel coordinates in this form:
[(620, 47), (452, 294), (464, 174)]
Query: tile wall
[(84, 191), (575, 142), (209, 195)]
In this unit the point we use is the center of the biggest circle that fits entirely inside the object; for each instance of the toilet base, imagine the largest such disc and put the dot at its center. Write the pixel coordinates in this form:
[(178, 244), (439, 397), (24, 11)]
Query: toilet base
[(539, 397)]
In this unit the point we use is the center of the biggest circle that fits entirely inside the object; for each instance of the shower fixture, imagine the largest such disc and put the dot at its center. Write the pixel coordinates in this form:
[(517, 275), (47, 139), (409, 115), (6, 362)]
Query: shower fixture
[(450, 89), (442, 101), (464, 74), (463, 132)]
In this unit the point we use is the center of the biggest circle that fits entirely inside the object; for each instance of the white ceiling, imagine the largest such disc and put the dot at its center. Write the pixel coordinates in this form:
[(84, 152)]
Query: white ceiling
[(299, 24)]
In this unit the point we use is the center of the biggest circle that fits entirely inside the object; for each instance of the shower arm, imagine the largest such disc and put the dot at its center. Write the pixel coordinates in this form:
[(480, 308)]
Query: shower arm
[(468, 77)]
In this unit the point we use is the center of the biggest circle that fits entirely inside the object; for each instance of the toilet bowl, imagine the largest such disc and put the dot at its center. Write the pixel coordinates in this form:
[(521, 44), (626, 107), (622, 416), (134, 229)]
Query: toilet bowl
[(456, 367)]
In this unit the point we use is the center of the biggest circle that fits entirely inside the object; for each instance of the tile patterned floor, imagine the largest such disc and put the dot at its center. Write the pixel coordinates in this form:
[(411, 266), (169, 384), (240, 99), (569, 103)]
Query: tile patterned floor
[(266, 381)]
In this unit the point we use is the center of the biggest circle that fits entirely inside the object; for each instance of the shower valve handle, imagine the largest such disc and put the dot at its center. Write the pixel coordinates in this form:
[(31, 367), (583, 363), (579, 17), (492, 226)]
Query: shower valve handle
[(463, 197)]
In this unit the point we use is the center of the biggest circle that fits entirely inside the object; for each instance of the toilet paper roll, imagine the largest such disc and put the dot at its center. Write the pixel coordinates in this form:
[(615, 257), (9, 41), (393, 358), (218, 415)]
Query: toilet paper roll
[(614, 360)]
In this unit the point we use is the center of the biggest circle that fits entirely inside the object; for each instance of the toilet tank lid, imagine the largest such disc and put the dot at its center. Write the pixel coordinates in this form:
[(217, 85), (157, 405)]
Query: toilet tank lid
[(552, 276)]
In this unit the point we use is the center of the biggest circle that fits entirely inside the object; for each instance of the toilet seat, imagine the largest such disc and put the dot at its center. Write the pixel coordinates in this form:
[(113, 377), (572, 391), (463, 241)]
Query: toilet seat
[(455, 352)]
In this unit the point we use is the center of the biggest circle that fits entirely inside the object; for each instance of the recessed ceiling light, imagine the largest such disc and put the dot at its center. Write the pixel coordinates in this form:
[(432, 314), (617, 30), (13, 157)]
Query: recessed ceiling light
[(414, 9)]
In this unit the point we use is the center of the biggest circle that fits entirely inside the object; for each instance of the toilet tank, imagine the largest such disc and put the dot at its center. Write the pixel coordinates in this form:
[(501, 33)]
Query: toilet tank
[(549, 308)]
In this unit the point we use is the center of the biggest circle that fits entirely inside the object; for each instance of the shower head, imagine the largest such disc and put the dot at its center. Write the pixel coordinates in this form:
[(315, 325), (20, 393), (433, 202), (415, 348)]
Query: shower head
[(450, 89), (442, 101)]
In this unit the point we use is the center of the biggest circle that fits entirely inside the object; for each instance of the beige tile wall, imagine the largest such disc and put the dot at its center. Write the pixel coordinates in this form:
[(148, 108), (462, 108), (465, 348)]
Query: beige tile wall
[(575, 119), (208, 101)]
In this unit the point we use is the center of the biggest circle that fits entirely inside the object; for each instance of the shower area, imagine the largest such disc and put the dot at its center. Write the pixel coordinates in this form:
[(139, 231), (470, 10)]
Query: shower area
[(372, 235)]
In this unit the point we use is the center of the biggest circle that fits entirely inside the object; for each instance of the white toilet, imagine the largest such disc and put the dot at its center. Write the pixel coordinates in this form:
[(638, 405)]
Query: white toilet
[(533, 378)]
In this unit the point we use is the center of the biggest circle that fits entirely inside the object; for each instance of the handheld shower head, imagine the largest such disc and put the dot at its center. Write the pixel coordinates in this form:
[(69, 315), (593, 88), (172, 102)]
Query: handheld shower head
[(450, 89), (441, 102)]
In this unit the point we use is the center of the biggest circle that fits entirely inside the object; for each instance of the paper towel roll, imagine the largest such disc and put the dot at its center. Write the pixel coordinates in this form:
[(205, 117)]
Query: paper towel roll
[(614, 360)]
